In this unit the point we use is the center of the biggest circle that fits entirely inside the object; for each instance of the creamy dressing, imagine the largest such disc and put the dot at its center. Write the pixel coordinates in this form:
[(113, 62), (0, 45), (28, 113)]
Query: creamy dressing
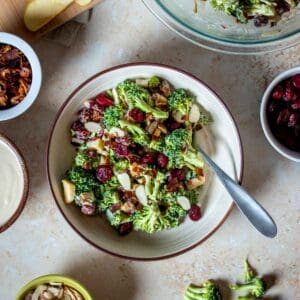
[(11, 183)]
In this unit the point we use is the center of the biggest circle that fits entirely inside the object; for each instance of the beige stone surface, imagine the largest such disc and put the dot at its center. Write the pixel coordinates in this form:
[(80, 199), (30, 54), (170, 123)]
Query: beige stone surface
[(41, 242)]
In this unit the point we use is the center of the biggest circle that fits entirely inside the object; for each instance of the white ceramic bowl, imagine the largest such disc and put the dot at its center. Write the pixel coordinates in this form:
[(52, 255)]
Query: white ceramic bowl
[(292, 155), (13, 40), (222, 141), (10, 211)]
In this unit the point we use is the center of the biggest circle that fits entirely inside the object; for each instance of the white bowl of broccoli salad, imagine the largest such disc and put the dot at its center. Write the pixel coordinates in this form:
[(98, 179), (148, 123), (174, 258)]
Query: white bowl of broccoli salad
[(122, 164)]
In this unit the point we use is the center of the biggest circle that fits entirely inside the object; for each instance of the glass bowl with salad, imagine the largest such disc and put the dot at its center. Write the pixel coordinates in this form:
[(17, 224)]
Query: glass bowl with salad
[(241, 27), (122, 161)]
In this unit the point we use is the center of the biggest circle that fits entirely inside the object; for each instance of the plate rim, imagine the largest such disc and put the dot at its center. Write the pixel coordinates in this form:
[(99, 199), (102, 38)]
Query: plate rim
[(143, 64)]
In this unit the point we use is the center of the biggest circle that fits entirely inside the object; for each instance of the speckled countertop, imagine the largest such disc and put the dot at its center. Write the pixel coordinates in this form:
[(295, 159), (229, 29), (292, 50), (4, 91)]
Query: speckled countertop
[(41, 242)]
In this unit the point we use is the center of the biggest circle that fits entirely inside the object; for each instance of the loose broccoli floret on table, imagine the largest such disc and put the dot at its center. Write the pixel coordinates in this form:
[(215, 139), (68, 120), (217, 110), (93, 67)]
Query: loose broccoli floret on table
[(255, 287), (208, 291)]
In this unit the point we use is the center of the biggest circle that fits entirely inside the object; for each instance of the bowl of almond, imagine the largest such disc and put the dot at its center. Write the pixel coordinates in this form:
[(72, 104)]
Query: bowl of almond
[(54, 287)]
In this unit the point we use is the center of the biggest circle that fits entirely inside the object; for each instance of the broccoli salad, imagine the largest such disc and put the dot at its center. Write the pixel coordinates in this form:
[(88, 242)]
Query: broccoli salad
[(263, 12), (135, 163)]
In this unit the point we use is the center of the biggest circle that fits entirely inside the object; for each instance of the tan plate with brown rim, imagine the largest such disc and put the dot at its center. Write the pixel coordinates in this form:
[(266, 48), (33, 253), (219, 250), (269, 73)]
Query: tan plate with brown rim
[(11, 210)]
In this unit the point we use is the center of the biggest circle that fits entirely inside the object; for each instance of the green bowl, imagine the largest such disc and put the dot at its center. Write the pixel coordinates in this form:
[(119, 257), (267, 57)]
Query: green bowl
[(54, 278)]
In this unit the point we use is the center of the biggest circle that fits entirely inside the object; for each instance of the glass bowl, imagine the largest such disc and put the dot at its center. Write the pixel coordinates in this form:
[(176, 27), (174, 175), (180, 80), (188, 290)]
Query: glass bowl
[(217, 31)]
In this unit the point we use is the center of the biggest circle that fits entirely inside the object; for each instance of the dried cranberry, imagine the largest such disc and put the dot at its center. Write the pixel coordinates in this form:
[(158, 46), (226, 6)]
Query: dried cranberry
[(126, 140), (125, 228), (127, 196), (178, 173), (133, 158), (148, 158), (283, 117), (296, 81), (289, 92), (121, 150), (294, 120), (104, 101), (85, 115), (82, 134), (91, 153), (115, 207), (162, 160), (296, 104), (281, 7), (137, 115), (274, 107), (195, 213), (277, 92), (104, 173), (77, 125), (173, 125), (95, 106), (88, 209)]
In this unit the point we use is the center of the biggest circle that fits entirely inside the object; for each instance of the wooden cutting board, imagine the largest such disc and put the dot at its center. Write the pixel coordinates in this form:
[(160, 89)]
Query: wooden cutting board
[(12, 12)]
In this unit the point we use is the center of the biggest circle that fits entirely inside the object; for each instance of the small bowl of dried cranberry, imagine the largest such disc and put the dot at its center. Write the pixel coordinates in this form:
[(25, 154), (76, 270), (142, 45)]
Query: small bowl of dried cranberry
[(20, 76), (280, 114)]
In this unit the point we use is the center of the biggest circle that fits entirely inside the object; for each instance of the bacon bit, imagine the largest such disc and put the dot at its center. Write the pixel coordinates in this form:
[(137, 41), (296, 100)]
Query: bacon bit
[(166, 88), (115, 207), (156, 133), (135, 169), (199, 172), (149, 117)]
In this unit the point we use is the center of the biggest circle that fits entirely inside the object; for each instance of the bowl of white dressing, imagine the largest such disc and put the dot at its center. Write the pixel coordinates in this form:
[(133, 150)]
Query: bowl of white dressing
[(13, 184)]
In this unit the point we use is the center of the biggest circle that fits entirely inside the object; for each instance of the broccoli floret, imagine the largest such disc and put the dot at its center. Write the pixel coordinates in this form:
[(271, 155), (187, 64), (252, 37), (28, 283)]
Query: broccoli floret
[(121, 165), (152, 185), (109, 199), (149, 219), (204, 119), (157, 145), (117, 218), (138, 134), (208, 291), (256, 287), (153, 82), (84, 180), (82, 160), (178, 138), (111, 185), (174, 215), (111, 116), (138, 97), (192, 158), (180, 101), (176, 142)]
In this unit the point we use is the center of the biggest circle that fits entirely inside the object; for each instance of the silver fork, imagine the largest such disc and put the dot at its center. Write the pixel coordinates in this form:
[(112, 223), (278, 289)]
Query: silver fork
[(253, 211)]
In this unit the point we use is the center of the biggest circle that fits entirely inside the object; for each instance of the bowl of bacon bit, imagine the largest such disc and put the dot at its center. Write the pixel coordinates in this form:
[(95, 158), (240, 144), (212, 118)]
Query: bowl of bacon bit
[(20, 76), (129, 179)]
